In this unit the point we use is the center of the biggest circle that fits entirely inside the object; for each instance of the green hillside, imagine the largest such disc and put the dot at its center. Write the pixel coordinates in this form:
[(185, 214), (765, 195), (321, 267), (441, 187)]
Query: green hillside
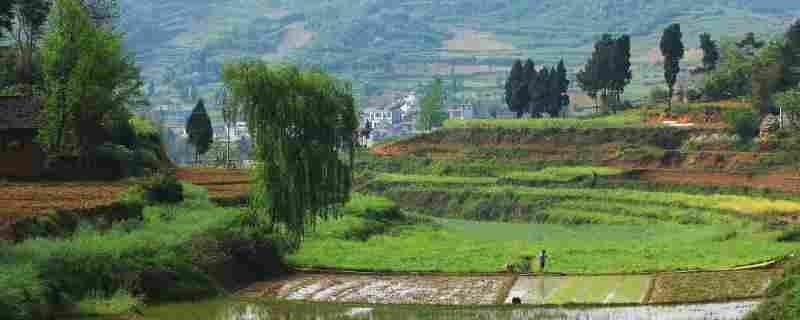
[(399, 44)]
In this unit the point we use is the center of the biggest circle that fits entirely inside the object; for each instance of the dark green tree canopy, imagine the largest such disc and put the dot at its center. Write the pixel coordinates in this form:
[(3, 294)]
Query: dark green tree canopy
[(303, 124), (515, 89), (710, 52), (608, 71), (199, 129)]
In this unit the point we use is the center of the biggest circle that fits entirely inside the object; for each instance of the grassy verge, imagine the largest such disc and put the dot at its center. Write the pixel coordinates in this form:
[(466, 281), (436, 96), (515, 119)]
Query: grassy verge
[(783, 300), (627, 119), (174, 253)]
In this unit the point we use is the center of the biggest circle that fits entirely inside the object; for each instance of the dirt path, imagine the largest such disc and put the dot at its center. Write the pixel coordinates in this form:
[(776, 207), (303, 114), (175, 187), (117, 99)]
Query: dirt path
[(490, 289)]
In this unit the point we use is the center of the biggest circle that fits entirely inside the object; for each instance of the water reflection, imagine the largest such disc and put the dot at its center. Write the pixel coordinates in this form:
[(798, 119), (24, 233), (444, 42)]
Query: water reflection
[(297, 311)]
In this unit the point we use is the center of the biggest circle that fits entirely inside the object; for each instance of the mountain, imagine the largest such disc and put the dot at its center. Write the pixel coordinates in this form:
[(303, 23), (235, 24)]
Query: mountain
[(400, 44)]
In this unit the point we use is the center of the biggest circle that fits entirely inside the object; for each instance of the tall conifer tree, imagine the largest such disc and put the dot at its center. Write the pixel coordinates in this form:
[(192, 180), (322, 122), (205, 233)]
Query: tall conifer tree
[(673, 50)]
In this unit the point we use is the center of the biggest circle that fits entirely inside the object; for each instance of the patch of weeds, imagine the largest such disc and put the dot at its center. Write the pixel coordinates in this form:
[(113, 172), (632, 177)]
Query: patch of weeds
[(725, 236), (790, 234)]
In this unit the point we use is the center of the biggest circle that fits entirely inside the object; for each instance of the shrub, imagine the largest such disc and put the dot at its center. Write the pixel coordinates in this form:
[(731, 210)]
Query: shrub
[(658, 95), (702, 141), (745, 122), (162, 189), (791, 233)]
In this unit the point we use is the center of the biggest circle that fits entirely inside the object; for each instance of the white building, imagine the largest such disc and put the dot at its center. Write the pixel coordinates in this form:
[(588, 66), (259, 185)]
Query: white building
[(381, 117), (461, 112)]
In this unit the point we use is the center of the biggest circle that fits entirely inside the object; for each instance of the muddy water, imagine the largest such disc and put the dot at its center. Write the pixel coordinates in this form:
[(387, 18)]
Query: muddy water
[(267, 310)]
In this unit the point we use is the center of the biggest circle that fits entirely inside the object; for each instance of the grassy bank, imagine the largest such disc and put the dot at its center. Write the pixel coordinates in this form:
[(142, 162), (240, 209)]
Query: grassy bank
[(176, 252), (627, 119)]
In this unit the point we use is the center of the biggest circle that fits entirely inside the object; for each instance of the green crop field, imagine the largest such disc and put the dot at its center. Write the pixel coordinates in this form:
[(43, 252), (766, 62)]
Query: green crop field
[(463, 246), (564, 174)]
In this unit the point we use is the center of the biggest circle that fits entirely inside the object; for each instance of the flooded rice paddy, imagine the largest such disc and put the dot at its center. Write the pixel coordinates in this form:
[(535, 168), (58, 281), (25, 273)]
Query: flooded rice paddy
[(268, 310)]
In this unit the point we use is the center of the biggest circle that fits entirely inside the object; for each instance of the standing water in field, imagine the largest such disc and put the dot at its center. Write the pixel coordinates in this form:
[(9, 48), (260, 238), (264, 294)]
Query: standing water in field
[(267, 310)]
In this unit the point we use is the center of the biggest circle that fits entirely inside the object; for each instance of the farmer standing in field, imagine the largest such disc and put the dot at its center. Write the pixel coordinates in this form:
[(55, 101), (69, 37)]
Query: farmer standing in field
[(542, 260)]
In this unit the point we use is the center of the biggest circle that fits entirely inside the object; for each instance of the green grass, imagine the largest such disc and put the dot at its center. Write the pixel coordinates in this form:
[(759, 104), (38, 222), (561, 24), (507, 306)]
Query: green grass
[(463, 246), (101, 305), (627, 119), (564, 174), (422, 179)]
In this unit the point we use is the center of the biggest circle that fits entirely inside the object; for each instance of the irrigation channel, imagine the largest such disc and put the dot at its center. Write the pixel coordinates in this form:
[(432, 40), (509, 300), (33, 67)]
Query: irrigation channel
[(375, 296)]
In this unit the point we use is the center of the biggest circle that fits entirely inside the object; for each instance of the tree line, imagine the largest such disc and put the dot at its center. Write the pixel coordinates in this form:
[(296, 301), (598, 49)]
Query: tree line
[(537, 92)]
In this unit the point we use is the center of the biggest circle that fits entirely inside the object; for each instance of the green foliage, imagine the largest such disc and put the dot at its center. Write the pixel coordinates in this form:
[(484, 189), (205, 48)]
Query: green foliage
[(672, 49), (303, 124), (162, 189), (791, 233), (85, 79), (744, 122), (789, 102), (431, 114), (732, 79)]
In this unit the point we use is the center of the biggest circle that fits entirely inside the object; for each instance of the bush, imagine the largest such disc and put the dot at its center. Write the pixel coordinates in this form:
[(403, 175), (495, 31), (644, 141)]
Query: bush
[(744, 122), (162, 189), (658, 95), (790, 234), (702, 141)]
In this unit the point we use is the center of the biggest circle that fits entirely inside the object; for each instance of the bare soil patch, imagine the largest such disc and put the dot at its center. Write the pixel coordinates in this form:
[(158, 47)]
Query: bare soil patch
[(469, 40)]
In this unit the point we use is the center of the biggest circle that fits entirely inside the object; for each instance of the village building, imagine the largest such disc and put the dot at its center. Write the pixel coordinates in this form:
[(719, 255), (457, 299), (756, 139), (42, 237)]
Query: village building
[(20, 120), (461, 112), (381, 117)]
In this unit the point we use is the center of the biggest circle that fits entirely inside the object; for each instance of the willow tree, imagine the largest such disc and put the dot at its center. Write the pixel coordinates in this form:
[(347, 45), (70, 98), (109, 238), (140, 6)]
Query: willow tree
[(302, 123)]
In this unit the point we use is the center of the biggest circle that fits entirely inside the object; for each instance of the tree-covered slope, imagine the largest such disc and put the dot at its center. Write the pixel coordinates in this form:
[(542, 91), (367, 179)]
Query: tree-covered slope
[(400, 43)]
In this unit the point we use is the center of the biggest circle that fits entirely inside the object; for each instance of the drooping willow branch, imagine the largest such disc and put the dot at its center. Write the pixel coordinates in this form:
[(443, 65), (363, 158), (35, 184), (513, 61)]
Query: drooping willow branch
[(302, 123)]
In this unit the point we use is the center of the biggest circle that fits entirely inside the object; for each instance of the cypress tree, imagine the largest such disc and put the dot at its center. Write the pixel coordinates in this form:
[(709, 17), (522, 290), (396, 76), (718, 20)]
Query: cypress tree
[(621, 66), (538, 90), (673, 50), (198, 127), (531, 76), (513, 84), (563, 85)]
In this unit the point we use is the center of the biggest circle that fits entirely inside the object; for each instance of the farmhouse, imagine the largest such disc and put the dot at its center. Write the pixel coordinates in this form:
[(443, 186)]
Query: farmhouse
[(19, 122)]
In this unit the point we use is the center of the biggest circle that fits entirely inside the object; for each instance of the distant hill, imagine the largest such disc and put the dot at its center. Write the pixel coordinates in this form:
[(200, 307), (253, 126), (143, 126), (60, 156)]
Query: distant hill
[(399, 44)]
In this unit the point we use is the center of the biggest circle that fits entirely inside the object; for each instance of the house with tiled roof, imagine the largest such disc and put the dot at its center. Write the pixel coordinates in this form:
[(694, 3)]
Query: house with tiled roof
[(20, 120)]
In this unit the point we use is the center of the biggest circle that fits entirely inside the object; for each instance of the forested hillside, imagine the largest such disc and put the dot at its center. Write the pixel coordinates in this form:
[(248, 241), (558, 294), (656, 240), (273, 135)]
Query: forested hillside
[(398, 44)]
